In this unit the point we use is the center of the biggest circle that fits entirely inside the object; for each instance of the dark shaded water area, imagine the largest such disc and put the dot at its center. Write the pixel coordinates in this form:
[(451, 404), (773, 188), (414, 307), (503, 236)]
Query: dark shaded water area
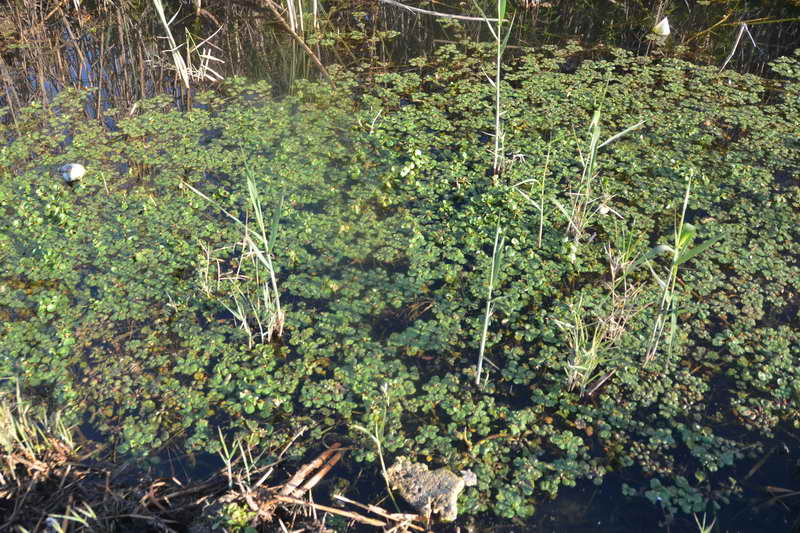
[(758, 506), (119, 51), (765, 498), (737, 34)]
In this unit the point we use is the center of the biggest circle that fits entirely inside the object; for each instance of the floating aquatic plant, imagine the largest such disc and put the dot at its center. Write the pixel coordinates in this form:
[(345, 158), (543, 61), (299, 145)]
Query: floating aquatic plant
[(381, 259)]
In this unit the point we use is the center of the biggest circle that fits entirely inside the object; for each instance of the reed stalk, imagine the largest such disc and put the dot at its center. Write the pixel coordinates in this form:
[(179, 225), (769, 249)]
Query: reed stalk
[(501, 42), (540, 203), (258, 307), (376, 436), (583, 194), (680, 252), (494, 273)]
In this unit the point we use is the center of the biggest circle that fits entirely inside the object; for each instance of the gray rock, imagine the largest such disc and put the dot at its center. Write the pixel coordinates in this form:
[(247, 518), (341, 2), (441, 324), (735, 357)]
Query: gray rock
[(427, 491)]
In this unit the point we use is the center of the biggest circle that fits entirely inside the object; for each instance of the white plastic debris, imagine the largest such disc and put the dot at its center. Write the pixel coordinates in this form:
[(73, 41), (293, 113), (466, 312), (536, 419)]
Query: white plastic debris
[(72, 172), (662, 28)]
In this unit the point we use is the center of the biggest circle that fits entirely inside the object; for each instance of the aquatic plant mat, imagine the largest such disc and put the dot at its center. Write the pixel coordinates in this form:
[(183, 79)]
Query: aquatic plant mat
[(334, 274)]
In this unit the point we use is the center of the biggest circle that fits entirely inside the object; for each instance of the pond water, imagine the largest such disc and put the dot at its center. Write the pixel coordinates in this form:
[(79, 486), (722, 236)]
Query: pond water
[(135, 300), (702, 32)]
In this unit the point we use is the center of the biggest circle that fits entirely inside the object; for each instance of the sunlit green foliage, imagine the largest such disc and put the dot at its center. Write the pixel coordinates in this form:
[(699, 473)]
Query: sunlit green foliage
[(382, 258)]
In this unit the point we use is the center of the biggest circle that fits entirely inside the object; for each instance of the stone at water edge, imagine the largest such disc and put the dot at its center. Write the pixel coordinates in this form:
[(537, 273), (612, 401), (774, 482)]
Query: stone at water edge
[(427, 491)]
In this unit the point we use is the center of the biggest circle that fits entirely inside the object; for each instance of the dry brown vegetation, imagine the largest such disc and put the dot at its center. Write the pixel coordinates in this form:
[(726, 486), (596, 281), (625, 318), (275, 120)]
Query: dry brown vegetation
[(52, 481)]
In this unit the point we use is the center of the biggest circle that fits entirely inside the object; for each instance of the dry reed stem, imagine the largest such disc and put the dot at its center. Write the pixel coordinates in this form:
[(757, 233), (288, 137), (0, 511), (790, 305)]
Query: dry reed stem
[(437, 13), (333, 510), (273, 7), (292, 487), (404, 518)]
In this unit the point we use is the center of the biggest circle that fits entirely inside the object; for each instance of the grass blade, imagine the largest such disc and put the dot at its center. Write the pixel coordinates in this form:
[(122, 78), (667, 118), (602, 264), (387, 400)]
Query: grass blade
[(700, 248)]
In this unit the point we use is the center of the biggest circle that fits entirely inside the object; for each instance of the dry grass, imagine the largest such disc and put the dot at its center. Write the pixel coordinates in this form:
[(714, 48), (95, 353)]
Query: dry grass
[(49, 482)]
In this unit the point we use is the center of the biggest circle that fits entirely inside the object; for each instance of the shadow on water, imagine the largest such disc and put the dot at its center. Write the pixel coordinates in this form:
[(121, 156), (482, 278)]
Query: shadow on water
[(767, 499)]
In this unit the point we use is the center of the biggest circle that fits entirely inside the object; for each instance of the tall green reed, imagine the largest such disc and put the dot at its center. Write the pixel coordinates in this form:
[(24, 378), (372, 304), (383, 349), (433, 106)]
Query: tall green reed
[(501, 41), (680, 252), (541, 185), (583, 195), (594, 336), (590, 343), (494, 274), (376, 436)]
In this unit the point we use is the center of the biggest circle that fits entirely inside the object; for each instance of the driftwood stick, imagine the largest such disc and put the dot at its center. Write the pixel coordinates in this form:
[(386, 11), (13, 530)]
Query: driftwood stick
[(405, 518), (311, 483), (297, 479), (333, 510)]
